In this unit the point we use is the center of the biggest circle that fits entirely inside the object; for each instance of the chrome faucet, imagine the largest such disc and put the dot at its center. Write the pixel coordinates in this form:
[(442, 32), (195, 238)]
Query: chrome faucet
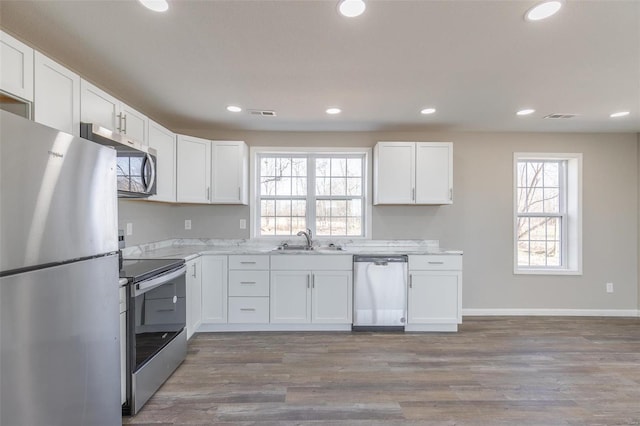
[(307, 235)]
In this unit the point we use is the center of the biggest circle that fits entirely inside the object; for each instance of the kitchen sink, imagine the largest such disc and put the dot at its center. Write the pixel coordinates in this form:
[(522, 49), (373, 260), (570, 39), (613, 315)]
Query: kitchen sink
[(294, 247)]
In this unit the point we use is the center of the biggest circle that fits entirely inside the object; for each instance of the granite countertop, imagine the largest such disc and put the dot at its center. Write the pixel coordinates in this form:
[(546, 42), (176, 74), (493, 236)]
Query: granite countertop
[(191, 248)]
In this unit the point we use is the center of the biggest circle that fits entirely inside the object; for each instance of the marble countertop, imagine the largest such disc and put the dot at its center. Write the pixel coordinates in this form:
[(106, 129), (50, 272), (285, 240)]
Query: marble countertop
[(191, 248)]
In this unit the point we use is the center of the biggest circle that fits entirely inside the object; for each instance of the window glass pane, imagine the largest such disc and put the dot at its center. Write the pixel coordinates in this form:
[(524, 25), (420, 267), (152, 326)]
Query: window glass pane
[(299, 208), (354, 207), (551, 200), (551, 175), (283, 187), (323, 167), (298, 224), (537, 254), (534, 201), (338, 186), (354, 186), (322, 226), (283, 226), (323, 188), (537, 229), (523, 253), (338, 167), (283, 207), (299, 186), (354, 167), (553, 253), (523, 228), (553, 229), (354, 226), (267, 226), (534, 174), (267, 186), (267, 208), (338, 226), (338, 208), (283, 167), (323, 208), (268, 166), (299, 167)]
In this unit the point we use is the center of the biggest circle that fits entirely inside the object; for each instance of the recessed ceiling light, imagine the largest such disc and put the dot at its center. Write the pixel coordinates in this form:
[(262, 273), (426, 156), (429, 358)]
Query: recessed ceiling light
[(619, 114), (526, 111), (233, 108), (351, 8), (427, 111), (155, 5), (543, 10), (333, 111)]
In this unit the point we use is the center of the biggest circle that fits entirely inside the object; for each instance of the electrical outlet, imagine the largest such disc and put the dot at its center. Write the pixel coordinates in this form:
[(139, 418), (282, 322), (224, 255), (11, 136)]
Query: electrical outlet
[(243, 223), (609, 287), (187, 224), (129, 228)]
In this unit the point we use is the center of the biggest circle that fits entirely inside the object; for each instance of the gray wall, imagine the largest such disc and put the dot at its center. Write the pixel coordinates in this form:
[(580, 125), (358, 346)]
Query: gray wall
[(480, 220)]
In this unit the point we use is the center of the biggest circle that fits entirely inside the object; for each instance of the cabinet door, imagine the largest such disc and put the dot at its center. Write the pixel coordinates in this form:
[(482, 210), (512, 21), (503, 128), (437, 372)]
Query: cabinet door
[(434, 173), (434, 297), (332, 297), (99, 107), (393, 173), (134, 124), (16, 67), (57, 95), (164, 142), (194, 295), (193, 169), (229, 166), (290, 297), (214, 289)]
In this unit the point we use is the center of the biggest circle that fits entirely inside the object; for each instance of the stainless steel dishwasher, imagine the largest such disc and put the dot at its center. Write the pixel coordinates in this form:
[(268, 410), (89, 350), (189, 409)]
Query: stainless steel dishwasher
[(379, 292)]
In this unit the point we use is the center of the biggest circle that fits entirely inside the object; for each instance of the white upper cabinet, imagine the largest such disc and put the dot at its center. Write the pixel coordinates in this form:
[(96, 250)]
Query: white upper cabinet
[(193, 170), (16, 67), (57, 95), (413, 173), (164, 142), (229, 172), (99, 107)]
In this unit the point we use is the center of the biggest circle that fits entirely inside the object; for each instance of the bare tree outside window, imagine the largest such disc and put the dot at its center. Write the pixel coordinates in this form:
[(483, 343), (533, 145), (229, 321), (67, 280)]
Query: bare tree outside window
[(541, 212)]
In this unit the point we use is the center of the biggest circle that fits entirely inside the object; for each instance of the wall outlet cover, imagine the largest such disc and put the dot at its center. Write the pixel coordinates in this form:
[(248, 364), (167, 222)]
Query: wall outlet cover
[(129, 228), (243, 223), (187, 224), (609, 287)]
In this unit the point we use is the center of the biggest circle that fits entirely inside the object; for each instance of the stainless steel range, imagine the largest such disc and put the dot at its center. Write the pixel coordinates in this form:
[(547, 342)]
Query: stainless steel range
[(156, 321)]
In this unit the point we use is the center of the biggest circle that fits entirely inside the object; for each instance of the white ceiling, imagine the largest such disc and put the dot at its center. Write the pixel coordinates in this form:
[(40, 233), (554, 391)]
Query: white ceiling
[(477, 62)]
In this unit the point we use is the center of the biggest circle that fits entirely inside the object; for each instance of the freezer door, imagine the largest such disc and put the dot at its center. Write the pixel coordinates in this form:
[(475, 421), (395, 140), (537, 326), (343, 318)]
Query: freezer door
[(60, 345), (58, 196)]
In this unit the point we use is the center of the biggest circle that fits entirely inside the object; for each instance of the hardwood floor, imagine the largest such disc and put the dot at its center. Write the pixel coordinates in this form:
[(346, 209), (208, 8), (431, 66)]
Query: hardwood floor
[(494, 371)]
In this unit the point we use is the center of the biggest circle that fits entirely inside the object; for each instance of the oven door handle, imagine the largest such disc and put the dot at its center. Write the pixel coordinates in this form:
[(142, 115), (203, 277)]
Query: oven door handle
[(145, 286)]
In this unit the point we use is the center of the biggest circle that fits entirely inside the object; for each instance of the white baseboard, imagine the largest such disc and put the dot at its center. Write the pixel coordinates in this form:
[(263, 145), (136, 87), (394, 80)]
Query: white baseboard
[(553, 312)]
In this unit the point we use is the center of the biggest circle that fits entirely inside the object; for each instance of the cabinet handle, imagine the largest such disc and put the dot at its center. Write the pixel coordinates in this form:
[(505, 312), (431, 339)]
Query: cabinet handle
[(194, 270), (124, 118), (450, 193), (239, 193), (247, 282), (119, 123), (208, 190), (413, 194), (247, 263), (248, 309), (410, 281), (308, 281), (313, 281), (436, 263)]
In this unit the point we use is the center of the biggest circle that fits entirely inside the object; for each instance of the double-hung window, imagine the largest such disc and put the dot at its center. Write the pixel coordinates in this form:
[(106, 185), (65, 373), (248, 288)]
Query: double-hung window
[(547, 213), (324, 192)]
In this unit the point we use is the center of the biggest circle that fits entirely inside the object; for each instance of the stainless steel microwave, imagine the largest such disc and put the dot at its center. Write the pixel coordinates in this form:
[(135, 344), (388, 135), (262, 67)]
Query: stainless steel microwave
[(136, 167)]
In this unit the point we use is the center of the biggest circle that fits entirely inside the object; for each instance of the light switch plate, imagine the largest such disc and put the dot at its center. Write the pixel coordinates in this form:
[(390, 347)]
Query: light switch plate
[(243, 223), (187, 224), (129, 228)]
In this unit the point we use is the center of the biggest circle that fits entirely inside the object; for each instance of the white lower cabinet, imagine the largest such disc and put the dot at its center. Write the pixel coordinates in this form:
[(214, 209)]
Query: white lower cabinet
[(214, 289), (435, 293), (311, 289), (194, 295), (249, 289)]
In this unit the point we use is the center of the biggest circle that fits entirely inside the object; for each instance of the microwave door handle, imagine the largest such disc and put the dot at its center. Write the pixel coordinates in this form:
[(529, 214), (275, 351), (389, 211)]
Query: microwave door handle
[(148, 183)]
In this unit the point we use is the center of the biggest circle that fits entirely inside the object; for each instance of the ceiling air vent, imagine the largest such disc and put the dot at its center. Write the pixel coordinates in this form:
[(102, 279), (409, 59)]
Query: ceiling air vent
[(558, 116), (262, 112)]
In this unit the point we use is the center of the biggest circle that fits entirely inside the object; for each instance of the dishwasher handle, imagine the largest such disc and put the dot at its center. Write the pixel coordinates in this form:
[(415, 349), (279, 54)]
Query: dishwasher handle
[(381, 260)]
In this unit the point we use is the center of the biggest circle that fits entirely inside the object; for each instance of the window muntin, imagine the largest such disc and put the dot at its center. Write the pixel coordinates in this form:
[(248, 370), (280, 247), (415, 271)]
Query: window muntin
[(541, 213), (323, 192)]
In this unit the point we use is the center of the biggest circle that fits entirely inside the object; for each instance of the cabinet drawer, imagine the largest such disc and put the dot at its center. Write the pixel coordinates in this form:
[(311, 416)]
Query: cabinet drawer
[(435, 262), (249, 283), (317, 262), (252, 310), (249, 262)]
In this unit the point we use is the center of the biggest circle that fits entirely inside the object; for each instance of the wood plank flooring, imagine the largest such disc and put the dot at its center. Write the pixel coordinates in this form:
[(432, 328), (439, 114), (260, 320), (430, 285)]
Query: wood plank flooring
[(494, 371)]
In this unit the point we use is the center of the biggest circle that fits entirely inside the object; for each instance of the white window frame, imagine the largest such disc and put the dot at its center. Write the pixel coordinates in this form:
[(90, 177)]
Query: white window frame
[(254, 206), (571, 232)]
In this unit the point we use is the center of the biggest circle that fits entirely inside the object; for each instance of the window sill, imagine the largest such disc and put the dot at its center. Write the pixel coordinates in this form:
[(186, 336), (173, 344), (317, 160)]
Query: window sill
[(523, 271)]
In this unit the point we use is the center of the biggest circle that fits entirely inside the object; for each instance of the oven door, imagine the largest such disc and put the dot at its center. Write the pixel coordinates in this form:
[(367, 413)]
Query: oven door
[(157, 337)]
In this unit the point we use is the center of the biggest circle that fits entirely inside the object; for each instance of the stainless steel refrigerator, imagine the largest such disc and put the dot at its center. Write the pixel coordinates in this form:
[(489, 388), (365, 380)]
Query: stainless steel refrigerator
[(59, 304)]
